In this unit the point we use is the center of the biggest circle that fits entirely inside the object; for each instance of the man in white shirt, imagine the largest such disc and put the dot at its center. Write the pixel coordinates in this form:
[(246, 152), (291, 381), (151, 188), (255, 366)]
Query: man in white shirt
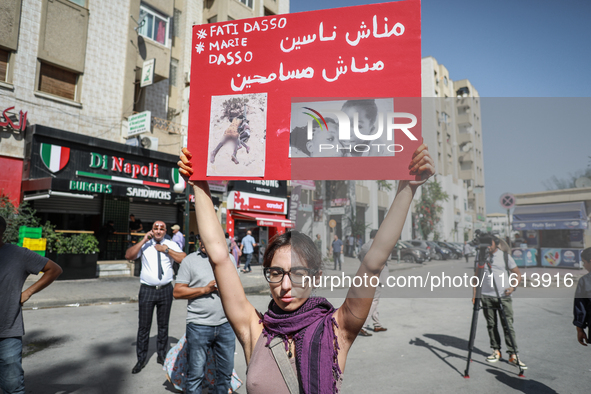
[(157, 255), (497, 272)]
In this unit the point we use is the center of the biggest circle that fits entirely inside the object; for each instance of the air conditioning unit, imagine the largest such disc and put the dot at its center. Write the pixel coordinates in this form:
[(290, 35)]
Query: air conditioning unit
[(149, 143)]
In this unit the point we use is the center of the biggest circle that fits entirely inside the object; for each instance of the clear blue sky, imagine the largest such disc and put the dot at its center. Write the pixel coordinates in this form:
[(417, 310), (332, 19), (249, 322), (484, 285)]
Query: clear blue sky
[(515, 52)]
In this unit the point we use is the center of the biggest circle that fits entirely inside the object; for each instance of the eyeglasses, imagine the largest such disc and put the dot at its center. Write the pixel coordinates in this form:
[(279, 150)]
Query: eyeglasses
[(296, 274)]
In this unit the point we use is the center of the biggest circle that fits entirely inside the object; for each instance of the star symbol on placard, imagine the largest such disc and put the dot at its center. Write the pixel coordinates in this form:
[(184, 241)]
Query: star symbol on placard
[(201, 34), (199, 47)]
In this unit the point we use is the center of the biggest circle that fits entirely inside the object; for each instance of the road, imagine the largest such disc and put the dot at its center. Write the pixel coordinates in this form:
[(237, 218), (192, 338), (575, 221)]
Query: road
[(91, 349)]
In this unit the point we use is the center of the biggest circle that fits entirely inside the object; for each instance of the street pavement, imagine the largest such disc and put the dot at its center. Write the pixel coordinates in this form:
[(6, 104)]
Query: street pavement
[(91, 349)]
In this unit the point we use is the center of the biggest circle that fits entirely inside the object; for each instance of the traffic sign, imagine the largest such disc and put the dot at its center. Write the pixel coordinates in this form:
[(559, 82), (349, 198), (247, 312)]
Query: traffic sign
[(332, 223), (507, 200)]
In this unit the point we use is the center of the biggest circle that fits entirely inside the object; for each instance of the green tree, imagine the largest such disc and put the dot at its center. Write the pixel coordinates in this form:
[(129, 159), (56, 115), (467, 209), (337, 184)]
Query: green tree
[(428, 209)]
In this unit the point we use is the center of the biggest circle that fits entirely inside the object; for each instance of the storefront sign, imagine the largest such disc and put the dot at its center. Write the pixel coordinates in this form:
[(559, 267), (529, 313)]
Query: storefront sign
[(336, 211), (148, 72), (339, 202), (555, 257), (139, 123), (266, 187), (251, 202), (13, 124), (90, 187), (262, 71), (83, 164)]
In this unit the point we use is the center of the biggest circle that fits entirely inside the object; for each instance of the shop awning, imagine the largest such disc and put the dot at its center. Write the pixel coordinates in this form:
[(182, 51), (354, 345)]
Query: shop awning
[(563, 216), (264, 219)]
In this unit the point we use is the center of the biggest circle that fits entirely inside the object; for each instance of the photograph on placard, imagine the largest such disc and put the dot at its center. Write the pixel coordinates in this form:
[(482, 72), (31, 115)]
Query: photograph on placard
[(341, 128), (237, 135)]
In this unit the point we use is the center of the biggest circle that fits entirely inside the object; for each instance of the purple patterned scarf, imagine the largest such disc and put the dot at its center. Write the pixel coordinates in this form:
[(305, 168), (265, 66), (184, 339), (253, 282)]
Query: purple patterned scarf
[(316, 343)]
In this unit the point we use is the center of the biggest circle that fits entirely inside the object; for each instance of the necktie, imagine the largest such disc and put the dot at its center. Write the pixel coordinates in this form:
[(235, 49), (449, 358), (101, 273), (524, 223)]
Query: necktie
[(160, 270)]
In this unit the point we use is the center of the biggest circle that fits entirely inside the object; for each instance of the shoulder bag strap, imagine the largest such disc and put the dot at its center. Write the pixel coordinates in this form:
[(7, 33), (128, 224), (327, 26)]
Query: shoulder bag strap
[(278, 349)]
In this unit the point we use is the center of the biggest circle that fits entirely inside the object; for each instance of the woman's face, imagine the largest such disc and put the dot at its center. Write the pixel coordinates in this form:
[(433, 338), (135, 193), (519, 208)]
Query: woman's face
[(287, 295)]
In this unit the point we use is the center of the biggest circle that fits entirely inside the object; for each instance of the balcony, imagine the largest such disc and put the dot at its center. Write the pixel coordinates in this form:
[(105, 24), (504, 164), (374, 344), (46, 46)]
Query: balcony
[(462, 138), (361, 195), (464, 119), (467, 157)]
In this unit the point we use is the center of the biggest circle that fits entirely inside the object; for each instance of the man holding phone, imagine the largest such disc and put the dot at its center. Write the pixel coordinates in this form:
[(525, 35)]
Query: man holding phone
[(157, 255)]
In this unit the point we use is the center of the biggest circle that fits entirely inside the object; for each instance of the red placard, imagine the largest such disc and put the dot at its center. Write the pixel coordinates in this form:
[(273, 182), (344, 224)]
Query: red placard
[(312, 78)]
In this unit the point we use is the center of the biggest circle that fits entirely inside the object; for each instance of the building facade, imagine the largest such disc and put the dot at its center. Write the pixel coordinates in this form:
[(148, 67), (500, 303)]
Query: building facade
[(115, 73), (452, 129)]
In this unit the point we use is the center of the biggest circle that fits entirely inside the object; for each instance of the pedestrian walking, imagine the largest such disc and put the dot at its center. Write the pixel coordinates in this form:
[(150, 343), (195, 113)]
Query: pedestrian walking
[(16, 264), (247, 247), (373, 318), (208, 329), (157, 254), (298, 329), (177, 236), (336, 249), (466, 250), (318, 243)]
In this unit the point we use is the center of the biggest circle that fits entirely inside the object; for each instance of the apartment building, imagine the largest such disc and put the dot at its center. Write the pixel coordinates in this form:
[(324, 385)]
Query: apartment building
[(96, 96), (453, 131)]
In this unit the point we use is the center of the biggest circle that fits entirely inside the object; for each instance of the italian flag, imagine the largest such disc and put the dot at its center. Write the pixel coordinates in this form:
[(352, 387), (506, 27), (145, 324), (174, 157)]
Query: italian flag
[(54, 157), (177, 178)]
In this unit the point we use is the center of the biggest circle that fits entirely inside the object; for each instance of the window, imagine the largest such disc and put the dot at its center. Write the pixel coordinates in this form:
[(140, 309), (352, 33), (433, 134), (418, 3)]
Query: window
[(176, 23), (154, 25), (4, 57), (81, 3), (57, 81), (445, 81), (174, 65), (247, 3), (213, 19)]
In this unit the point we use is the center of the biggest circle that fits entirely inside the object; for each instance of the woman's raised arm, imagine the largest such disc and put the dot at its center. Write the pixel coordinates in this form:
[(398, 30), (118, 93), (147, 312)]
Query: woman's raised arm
[(351, 316), (239, 311)]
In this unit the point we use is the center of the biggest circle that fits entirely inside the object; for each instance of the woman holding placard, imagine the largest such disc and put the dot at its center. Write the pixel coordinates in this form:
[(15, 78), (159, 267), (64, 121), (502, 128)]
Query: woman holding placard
[(301, 343)]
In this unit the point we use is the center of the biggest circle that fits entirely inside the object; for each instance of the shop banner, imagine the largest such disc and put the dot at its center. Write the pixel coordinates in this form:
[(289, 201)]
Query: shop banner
[(330, 94), (554, 257), (241, 201), (265, 187), (526, 257), (87, 166)]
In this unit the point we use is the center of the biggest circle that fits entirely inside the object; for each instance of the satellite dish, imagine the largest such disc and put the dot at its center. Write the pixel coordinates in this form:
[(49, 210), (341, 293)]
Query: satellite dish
[(146, 142), (583, 182)]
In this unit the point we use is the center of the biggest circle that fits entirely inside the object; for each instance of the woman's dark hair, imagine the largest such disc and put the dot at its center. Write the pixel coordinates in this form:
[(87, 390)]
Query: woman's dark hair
[(300, 244)]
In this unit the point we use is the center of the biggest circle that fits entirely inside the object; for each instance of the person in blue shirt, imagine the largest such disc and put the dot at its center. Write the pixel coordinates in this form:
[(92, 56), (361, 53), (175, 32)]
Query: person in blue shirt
[(247, 247)]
